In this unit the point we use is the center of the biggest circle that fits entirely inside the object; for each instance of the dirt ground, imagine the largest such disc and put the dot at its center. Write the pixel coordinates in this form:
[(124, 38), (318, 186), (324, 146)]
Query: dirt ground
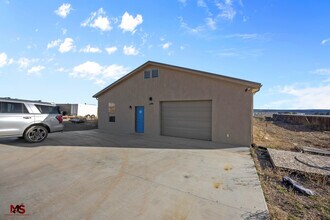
[(285, 136), (283, 202)]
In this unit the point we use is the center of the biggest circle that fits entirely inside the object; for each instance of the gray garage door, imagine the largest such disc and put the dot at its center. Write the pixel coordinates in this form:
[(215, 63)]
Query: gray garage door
[(189, 119)]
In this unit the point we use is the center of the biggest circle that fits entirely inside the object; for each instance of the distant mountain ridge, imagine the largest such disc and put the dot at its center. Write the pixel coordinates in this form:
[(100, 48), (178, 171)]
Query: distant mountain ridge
[(293, 111)]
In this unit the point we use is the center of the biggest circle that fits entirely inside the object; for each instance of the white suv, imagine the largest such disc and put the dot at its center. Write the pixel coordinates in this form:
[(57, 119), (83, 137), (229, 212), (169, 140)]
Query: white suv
[(32, 120)]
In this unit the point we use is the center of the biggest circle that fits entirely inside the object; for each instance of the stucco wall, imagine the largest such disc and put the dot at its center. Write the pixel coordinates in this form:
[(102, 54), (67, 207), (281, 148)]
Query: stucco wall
[(231, 105)]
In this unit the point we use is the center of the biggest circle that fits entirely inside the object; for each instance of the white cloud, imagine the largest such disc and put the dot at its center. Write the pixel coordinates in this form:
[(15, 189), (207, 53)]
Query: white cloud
[(89, 49), (100, 82), (64, 31), (315, 97), (114, 71), (111, 50), (63, 10), (87, 69), (24, 63), (201, 3), (66, 46), (98, 20), (166, 45), (182, 47), (238, 52), (30, 46), (144, 37), (309, 97), (227, 10), (3, 59), (243, 36), (98, 73), (53, 43), (322, 71), (102, 23), (183, 2), (325, 41), (191, 30), (129, 23), (61, 69), (210, 22), (35, 70), (130, 51)]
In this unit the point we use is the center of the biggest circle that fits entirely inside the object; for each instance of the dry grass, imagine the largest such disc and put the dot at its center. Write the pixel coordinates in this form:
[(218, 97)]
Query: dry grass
[(288, 137), (284, 203)]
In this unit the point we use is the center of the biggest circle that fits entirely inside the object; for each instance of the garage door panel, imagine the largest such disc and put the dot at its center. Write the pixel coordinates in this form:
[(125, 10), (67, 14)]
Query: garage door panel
[(186, 124), (189, 119)]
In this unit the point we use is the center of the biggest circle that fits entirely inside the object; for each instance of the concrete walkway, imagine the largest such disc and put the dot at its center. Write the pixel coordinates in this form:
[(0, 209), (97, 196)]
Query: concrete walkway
[(95, 175)]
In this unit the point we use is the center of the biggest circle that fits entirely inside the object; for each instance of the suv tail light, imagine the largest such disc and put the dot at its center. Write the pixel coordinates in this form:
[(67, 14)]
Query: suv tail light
[(59, 118)]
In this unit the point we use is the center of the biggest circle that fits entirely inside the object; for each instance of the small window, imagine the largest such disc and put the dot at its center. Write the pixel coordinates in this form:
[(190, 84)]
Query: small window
[(112, 108), (12, 107), (48, 109), (112, 111), (25, 111), (147, 74), (154, 73)]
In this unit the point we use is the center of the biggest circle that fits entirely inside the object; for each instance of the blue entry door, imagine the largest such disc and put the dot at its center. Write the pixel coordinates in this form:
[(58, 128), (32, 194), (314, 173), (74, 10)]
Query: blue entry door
[(139, 119)]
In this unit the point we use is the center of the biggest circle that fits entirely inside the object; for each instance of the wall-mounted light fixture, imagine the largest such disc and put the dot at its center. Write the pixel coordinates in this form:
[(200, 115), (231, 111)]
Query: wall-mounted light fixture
[(130, 107), (248, 89), (150, 101)]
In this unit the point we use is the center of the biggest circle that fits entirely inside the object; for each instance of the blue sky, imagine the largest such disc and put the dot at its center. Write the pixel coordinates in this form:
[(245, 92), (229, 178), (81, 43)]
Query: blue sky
[(66, 51)]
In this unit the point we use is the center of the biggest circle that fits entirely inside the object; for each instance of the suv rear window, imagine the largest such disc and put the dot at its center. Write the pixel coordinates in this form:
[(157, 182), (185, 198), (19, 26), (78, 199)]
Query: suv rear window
[(13, 107), (46, 109)]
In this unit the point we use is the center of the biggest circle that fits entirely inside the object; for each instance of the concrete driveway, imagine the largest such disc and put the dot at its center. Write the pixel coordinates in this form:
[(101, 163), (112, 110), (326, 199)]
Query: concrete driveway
[(95, 175)]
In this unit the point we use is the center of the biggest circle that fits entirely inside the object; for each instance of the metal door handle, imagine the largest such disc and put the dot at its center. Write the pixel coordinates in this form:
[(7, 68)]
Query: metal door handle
[(26, 117)]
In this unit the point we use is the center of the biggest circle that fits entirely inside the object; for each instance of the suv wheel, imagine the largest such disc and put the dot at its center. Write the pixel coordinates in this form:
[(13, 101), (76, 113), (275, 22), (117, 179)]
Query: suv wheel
[(36, 134)]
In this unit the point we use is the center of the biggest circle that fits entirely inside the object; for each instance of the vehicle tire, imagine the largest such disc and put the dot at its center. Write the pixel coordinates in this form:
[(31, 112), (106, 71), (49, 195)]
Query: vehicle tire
[(35, 134)]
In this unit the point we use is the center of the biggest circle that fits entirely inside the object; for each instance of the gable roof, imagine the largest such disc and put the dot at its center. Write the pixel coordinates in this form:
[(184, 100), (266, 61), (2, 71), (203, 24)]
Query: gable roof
[(254, 86)]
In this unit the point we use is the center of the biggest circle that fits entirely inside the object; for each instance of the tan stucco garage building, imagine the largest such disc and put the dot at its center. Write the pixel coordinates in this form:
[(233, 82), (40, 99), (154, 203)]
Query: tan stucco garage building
[(161, 99)]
